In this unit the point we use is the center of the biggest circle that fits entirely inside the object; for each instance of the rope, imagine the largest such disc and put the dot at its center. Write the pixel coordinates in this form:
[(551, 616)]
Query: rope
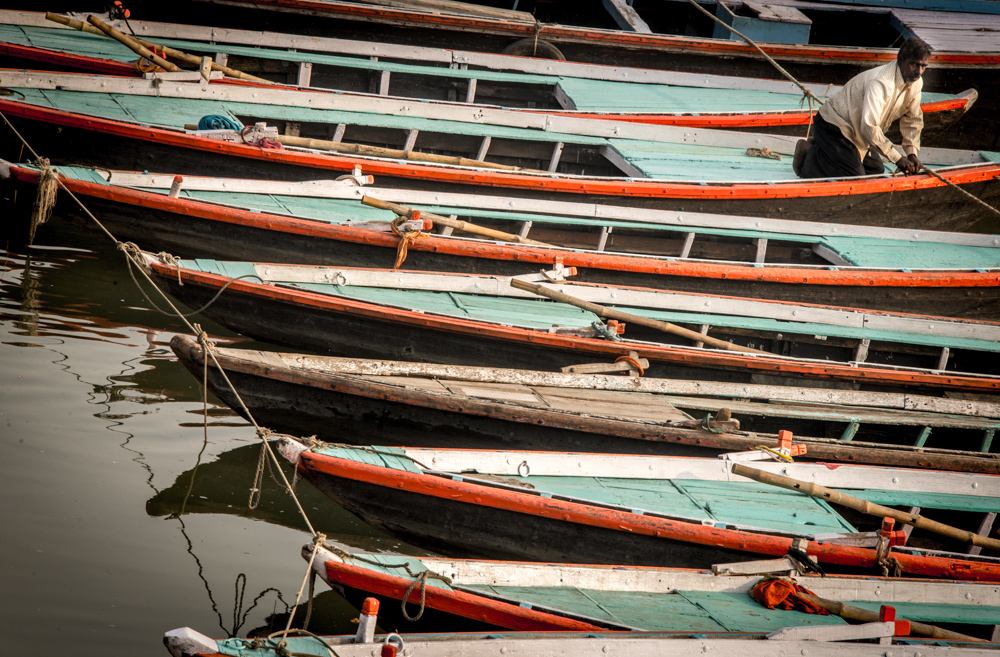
[(605, 332), (634, 362), (318, 540), (967, 193), (45, 200), (805, 92), (775, 453), (707, 426), (421, 578), (763, 152), (258, 478), (133, 256), (405, 238), (219, 122)]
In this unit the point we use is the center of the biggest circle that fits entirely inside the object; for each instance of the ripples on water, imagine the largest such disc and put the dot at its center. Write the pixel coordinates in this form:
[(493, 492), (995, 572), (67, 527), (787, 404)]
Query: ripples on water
[(120, 521)]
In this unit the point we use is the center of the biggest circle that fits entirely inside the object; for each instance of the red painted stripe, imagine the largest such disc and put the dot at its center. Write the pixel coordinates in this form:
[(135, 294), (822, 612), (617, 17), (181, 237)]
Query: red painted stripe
[(599, 347), (516, 180), (86, 63), (466, 605), (616, 520), (523, 253)]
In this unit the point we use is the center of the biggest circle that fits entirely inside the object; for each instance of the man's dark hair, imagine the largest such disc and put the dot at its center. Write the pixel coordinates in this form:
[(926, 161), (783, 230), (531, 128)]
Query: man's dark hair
[(914, 49)]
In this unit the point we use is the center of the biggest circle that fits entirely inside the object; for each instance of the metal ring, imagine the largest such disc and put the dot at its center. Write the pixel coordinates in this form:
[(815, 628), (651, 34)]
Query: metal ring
[(524, 465)]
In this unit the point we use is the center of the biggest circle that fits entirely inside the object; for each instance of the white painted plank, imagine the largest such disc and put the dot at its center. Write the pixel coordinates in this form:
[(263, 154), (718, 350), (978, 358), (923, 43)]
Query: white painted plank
[(620, 466)]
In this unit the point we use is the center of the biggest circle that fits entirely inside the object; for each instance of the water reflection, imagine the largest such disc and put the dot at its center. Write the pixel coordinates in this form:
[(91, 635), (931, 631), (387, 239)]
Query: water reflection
[(162, 537)]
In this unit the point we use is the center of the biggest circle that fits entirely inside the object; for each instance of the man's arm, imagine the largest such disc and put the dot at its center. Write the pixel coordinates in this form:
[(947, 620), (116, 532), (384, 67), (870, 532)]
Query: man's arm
[(876, 97), (910, 125)]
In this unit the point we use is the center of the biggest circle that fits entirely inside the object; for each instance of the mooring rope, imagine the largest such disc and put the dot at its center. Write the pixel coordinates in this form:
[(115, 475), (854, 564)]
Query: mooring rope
[(134, 257), (45, 199), (805, 90)]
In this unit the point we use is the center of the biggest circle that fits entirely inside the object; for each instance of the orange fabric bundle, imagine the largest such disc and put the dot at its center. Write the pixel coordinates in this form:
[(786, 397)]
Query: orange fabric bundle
[(784, 594)]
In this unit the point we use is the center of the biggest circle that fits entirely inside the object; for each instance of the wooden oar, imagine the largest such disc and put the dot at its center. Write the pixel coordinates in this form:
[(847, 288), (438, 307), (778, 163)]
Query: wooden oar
[(611, 313), (376, 151), (132, 44), (864, 506), (868, 616), (170, 52), (457, 224)]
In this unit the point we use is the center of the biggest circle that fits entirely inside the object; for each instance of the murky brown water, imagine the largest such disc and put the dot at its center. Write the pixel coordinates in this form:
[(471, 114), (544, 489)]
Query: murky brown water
[(100, 435)]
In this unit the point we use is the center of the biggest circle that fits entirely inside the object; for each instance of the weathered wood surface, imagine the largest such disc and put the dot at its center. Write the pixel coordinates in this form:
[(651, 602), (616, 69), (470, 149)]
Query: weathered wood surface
[(972, 33)]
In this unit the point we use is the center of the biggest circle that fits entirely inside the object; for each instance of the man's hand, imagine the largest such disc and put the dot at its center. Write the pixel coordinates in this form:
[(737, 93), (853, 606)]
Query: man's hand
[(909, 165)]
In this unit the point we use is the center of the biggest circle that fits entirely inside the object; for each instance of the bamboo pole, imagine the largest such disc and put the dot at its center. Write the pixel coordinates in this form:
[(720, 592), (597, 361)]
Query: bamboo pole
[(376, 151), (457, 224), (170, 52), (864, 506), (868, 616), (611, 313), (134, 45)]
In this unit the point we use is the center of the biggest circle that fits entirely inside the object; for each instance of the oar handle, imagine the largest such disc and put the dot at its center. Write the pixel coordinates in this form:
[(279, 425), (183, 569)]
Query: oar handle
[(458, 224), (611, 313), (135, 46), (864, 506)]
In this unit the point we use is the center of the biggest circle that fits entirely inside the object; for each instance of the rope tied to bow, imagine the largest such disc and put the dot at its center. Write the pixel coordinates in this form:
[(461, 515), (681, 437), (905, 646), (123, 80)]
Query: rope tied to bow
[(605, 331), (45, 199), (405, 237)]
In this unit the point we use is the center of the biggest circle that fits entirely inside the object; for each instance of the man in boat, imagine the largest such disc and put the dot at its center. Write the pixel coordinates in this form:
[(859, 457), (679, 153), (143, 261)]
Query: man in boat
[(849, 130)]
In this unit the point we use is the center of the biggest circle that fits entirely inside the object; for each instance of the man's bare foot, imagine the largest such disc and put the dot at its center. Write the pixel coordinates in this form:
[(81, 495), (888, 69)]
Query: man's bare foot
[(802, 147)]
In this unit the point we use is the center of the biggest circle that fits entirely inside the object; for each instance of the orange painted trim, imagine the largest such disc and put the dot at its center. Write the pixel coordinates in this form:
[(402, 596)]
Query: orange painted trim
[(598, 347), (623, 187), (619, 520), (791, 275), (818, 54), (458, 603)]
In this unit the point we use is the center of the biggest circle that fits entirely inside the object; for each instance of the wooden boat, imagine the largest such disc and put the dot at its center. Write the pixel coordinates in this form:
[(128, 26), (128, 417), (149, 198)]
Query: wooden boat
[(819, 642), (468, 594), (951, 274), (483, 320), (676, 36), (139, 124), (651, 510), (396, 403), (569, 89)]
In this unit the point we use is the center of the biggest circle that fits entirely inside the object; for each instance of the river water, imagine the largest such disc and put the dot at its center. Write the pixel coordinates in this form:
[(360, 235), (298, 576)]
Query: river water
[(122, 517)]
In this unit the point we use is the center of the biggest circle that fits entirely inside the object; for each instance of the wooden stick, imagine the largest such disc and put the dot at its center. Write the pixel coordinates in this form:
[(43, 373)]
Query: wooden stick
[(171, 52), (194, 59), (611, 313), (375, 151), (868, 616), (457, 224), (134, 45), (864, 506)]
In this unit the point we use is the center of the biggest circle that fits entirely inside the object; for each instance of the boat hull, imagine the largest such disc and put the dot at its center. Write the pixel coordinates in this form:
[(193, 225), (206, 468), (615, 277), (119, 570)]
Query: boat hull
[(345, 408), (191, 229), (918, 202), (339, 326)]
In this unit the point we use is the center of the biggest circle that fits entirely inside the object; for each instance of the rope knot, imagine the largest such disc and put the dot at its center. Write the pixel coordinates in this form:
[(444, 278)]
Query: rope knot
[(405, 237), (605, 331), (763, 152)]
